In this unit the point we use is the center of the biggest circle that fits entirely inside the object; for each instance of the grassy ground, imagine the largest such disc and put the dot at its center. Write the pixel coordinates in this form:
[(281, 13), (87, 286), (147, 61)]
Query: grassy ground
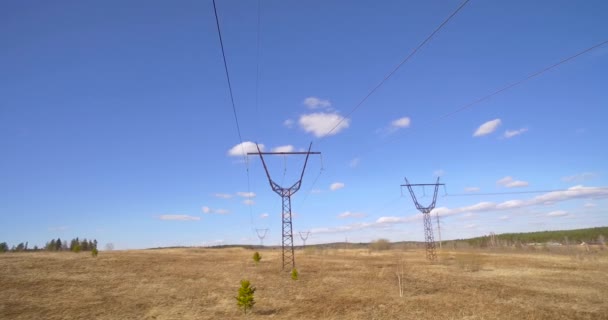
[(334, 284)]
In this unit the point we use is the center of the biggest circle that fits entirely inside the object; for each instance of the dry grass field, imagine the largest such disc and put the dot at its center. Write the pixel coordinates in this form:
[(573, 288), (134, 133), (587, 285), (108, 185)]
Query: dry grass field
[(200, 283)]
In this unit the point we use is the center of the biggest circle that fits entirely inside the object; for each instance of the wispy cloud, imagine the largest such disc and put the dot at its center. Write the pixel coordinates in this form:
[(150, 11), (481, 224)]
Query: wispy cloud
[(316, 103), (512, 133), (246, 194), (590, 205), (207, 210), (487, 128), (509, 182), (354, 162), (288, 123), (179, 217), (336, 186), (248, 202), (222, 195), (438, 173), (576, 192), (348, 214), (242, 149), (580, 177), (472, 189), (264, 215), (558, 213), (320, 124), (287, 148)]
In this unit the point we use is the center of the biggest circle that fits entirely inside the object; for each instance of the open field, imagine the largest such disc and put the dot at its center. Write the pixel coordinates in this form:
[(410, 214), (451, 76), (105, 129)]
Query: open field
[(200, 283)]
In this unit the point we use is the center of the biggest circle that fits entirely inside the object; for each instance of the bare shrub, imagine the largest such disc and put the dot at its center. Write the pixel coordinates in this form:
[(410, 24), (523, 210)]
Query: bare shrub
[(380, 244)]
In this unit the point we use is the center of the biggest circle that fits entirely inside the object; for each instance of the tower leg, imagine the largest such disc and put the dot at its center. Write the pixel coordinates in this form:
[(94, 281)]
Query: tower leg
[(288, 256), (428, 236)]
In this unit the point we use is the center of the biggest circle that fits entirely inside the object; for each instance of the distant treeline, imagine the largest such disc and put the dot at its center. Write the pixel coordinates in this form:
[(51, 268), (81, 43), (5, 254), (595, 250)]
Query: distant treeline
[(565, 237), (75, 245)]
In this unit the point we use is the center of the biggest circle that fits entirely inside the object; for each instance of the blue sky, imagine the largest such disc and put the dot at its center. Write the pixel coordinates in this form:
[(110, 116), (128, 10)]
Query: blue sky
[(116, 123)]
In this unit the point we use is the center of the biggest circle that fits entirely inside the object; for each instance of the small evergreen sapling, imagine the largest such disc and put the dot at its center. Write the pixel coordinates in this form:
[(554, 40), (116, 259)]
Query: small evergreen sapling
[(244, 299), (294, 274), (257, 257), (94, 252)]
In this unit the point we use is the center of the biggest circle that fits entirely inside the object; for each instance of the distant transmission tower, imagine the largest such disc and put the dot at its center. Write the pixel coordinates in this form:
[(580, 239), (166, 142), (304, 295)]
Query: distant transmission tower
[(304, 237), (261, 234), (426, 213), (288, 257)]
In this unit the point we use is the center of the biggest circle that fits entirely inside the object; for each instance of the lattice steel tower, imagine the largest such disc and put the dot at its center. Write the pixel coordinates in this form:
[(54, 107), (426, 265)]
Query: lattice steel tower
[(288, 257), (426, 213)]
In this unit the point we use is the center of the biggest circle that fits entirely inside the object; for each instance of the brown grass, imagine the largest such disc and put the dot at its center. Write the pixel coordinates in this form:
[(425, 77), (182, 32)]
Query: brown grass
[(333, 284)]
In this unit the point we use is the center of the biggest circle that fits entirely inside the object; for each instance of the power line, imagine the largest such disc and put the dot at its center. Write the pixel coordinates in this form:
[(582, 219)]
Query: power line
[(390, 74), (236, 118), (398, 67), (514, 84)]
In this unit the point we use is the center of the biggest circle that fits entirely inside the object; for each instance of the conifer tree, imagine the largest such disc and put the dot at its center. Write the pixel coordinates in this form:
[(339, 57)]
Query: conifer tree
[(245, 299)]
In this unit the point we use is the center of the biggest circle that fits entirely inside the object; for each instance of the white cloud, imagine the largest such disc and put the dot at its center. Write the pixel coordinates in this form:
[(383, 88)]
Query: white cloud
[(509, 182), (354, 162), (222, 195), (511, 204), (248, 202), (589, 205), (316, 191), (487, 128), (472, 189), (390, 220), (512, 133), (207, 210), (401, 123), (179, 217), (438, 173), (246, 194), (316, 103), (336, 186), (517, 184), (264, 215), (320, 124), (288, 123), (580, 177), (470, 226), (348, 214), (558, 213), (287, 148), (242, 149), (576, 192)]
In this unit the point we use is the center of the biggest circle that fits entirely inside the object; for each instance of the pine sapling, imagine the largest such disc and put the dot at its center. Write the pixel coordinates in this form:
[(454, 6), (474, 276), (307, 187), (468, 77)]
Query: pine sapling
[(294, 274), (94, 252), (244, 299), (257, 257)]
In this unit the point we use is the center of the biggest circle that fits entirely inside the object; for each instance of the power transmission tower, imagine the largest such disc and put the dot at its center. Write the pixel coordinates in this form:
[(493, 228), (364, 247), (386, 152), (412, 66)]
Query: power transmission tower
[(438, 229), (304, 237), (426, 213), (288, 257), (261, 234)]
